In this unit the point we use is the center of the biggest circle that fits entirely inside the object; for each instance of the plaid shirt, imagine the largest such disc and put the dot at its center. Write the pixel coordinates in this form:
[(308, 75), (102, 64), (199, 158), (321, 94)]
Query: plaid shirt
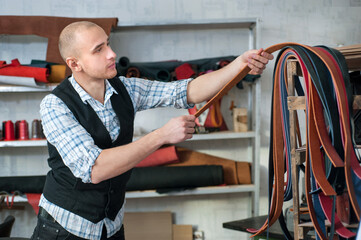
[(77, 148)]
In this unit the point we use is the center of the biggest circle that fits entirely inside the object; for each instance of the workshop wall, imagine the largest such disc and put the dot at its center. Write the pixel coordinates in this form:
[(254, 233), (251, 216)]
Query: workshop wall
[(326, 22)]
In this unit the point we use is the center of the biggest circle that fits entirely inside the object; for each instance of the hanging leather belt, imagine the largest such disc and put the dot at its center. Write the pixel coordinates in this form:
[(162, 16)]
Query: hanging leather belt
[(330, 154)]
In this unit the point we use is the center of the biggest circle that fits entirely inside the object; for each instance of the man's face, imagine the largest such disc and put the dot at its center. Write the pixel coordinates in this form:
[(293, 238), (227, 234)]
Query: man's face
[(95, 56)]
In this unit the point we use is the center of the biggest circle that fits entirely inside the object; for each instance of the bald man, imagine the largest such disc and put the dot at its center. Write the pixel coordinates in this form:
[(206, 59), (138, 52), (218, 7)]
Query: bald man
[(88, 122)]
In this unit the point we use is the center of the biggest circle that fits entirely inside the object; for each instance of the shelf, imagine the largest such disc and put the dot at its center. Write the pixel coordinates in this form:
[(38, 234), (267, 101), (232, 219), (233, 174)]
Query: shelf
[(17, 199), (218, 136), (14, 88), (191, 25), (222, 135), (153, 193), (196, 137), (24, 143), (196, 191)]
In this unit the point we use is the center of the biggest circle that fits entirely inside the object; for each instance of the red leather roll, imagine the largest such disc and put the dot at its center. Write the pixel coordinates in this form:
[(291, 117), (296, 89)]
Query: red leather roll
[(162, 156), (16, 69), (184, 71)]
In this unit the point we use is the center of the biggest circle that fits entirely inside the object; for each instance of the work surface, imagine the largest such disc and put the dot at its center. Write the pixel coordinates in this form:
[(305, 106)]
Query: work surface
[(275, 230)]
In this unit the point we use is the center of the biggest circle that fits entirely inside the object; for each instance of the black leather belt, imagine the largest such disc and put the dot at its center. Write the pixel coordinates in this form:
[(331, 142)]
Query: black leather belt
[(45, 214)]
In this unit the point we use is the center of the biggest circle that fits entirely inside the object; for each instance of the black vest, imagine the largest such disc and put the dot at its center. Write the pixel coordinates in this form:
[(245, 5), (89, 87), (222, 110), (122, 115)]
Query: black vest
[(90, 201)]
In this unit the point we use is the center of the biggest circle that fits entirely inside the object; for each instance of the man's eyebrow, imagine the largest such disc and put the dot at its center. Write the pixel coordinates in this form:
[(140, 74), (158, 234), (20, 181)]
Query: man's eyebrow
[(99, 45)]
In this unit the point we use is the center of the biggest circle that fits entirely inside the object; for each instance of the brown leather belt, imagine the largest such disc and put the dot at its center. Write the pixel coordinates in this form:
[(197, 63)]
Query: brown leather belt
[(238, 78)]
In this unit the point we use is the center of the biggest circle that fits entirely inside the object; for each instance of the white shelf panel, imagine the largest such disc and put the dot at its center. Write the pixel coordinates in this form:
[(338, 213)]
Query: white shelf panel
[(222, 135), (218, 136), (238, 23), (196, 191), (153, 193), (14, 88), (196, 137), (17, 199), (24, 143)]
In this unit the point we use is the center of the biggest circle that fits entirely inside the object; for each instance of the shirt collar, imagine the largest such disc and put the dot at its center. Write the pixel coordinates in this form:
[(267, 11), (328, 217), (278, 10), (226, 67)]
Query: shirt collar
[(84, 96)]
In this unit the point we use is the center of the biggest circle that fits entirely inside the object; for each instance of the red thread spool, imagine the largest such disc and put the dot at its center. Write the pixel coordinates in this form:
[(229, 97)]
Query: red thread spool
[(23, 130), (9, 131)]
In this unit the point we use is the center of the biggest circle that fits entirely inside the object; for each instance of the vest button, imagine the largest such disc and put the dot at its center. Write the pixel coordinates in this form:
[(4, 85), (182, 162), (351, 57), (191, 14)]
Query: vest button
[(111, 191)]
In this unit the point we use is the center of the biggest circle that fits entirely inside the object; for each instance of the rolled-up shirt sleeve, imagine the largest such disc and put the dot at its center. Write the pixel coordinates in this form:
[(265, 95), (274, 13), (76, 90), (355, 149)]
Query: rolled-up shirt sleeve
[(147, 94), (73, 142)]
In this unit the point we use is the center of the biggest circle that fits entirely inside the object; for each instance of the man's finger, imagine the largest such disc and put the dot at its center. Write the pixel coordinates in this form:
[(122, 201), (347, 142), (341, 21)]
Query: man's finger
[(267, 55)]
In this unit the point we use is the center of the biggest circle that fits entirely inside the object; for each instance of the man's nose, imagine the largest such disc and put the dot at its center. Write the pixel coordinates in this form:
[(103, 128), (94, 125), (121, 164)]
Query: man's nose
[(111, 53)]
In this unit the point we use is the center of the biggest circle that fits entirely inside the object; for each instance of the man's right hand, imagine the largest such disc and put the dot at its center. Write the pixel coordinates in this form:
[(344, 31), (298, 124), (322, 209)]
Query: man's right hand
[(177, 129)]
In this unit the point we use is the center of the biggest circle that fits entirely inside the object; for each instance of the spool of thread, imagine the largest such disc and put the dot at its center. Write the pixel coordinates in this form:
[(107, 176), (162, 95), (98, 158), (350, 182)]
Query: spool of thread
[(17, 129), (36, 130), (3, 133), (9, 131), (41, 130), (23, 130)]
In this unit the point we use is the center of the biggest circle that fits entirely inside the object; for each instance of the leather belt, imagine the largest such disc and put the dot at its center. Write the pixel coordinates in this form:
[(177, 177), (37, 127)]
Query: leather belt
[(43, 213), (326, 143)]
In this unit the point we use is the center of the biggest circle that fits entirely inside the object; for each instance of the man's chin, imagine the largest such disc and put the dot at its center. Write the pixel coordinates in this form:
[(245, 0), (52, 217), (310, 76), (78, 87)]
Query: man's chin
[(112, 74)]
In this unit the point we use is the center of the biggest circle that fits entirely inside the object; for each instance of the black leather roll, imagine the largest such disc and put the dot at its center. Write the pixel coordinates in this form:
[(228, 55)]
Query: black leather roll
[(122, 66), (23, 184), (150, 178)]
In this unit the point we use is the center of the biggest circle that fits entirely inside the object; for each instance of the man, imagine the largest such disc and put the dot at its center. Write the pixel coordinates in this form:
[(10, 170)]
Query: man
[(88, 122)]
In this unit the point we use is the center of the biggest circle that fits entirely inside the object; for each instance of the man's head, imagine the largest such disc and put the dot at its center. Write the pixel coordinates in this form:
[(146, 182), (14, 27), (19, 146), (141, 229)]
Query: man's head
[(68, 37), (84, 46)]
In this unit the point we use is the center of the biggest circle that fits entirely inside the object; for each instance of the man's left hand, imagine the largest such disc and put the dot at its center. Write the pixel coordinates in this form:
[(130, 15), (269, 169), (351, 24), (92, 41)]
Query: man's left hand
[(256, 60)]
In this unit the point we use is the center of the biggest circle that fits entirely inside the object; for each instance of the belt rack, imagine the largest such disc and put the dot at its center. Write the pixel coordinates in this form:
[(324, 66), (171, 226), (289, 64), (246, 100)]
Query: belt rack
[(298, 153)]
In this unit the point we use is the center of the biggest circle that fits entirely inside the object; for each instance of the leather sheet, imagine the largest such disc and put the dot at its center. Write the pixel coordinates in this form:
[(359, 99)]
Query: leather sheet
[(48, 27), (14, 68)]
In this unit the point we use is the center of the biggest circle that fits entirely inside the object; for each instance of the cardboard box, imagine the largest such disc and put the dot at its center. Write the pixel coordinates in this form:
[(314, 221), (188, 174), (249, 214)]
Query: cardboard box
[(148, 225), (182, 232)]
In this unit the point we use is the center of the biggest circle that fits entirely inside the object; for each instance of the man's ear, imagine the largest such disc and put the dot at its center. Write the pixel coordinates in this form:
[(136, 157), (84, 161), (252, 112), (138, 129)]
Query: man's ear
[(73, 64)]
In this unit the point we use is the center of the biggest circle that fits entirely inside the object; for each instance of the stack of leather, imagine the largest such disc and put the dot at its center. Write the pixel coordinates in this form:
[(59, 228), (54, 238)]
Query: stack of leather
[(352, 54), (234, 172), (176, 169)]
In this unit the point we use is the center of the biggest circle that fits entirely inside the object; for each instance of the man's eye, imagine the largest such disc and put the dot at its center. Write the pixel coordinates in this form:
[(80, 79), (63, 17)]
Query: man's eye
[(98, 50)]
